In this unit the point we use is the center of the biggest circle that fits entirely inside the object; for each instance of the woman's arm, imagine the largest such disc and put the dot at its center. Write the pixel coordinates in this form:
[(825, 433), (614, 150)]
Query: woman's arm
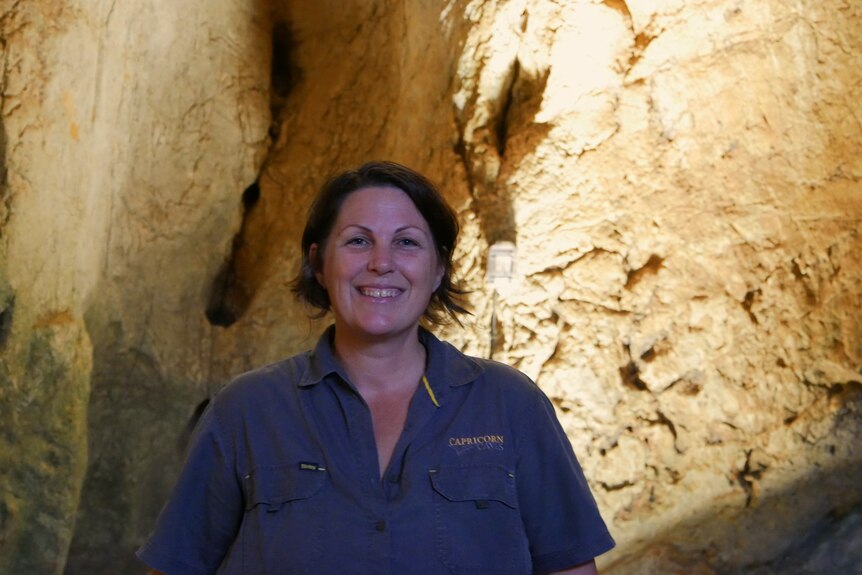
[(588, 568)]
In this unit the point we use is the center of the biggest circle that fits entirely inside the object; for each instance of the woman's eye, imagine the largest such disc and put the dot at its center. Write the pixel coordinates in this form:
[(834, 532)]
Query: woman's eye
[(357, 242), (407, 242)]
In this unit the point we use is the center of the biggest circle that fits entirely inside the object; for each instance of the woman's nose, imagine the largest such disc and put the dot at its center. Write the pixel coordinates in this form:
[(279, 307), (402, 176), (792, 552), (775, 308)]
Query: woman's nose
[(381, 259)]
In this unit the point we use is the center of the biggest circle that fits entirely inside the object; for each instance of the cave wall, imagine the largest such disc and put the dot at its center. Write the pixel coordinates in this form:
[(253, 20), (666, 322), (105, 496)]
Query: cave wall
[(130, 133), (681, 181)]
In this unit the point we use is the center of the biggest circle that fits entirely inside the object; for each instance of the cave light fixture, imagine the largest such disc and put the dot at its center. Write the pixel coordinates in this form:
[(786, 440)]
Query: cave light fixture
[(500, 275)]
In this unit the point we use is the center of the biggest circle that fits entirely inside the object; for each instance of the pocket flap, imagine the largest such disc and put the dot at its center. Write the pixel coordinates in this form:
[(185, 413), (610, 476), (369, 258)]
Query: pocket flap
[(274, 485), (475, 483)]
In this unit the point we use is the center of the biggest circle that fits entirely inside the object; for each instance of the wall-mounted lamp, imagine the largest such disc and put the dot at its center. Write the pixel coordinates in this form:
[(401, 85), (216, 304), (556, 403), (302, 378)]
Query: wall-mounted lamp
[(502, 258), (500, 272)]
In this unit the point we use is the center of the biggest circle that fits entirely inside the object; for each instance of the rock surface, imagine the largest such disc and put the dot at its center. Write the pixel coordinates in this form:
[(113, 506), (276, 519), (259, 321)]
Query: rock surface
[(681, 181)]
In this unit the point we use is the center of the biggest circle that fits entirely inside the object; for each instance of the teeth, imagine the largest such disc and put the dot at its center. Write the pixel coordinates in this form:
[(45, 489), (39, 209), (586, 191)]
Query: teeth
[(375, 292)]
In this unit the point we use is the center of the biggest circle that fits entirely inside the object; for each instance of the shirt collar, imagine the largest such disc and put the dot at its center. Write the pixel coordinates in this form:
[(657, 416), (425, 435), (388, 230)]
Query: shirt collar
[(447, 367), (322, 361)]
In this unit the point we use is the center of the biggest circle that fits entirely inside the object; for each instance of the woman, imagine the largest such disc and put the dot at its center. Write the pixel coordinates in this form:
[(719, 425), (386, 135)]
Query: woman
[(383, 450)]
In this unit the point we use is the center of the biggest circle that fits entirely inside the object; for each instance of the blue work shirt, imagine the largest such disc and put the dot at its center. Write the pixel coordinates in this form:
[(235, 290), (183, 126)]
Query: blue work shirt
[(282, 477)]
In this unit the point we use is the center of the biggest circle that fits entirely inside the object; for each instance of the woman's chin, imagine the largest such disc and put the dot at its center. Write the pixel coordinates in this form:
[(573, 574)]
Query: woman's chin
[(381, 328)]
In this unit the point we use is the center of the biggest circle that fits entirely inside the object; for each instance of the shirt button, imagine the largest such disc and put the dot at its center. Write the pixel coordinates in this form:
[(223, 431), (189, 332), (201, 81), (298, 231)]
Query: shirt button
[(380, 526)]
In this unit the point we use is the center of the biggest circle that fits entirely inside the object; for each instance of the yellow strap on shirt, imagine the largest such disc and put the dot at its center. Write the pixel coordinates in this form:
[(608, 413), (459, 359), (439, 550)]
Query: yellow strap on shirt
[(429, 390)]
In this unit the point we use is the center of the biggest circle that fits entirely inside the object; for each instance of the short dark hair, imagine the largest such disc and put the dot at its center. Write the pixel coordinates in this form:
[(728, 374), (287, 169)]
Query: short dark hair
[(447, 299)]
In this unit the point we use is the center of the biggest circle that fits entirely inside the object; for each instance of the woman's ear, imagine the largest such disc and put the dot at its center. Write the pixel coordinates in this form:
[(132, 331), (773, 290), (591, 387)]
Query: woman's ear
[(439, 277), (314, 262)]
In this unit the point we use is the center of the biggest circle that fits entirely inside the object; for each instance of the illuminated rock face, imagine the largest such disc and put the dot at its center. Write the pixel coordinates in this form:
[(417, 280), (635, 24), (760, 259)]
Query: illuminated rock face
[(681, 182), (130, 134)]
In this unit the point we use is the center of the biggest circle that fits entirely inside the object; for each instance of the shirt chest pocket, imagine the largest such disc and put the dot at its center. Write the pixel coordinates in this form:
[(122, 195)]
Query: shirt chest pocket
[(282, 529), (477, 521)]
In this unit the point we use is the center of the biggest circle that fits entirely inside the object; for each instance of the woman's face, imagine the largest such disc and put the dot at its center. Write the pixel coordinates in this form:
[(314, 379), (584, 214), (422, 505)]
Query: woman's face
[(379, 265)]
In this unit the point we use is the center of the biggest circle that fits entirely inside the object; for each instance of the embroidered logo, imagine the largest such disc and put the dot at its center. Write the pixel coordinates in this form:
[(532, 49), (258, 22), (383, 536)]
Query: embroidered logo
[(480, 442)]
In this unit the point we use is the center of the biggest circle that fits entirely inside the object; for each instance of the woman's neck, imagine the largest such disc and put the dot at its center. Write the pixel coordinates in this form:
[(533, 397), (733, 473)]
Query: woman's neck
[(384, 365)]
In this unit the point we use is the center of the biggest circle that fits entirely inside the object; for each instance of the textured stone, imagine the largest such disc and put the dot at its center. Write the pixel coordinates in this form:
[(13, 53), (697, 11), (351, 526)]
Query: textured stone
[(131, 133), (836, 547), (681, 181)]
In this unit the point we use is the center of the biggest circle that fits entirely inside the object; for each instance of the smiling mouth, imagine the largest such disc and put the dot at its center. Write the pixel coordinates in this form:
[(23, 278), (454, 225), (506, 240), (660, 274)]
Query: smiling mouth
[(379, 292)]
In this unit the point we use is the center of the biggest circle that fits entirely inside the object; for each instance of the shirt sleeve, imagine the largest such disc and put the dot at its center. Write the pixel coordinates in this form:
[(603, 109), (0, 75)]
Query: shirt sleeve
[(200, 520), (562, 520)]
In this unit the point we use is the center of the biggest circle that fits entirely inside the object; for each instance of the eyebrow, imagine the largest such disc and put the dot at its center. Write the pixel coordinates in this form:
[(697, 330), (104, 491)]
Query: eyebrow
[(369, 230)]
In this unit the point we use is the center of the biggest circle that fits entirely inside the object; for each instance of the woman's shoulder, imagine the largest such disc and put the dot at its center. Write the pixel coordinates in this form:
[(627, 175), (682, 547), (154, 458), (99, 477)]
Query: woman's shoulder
[(462, 368), (260, 385), (289, 368), (505, 374), (501, 377)]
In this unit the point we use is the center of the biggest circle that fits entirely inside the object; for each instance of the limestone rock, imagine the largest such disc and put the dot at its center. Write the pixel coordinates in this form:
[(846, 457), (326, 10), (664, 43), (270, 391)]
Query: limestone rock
[(125, 158), (681, 181)]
